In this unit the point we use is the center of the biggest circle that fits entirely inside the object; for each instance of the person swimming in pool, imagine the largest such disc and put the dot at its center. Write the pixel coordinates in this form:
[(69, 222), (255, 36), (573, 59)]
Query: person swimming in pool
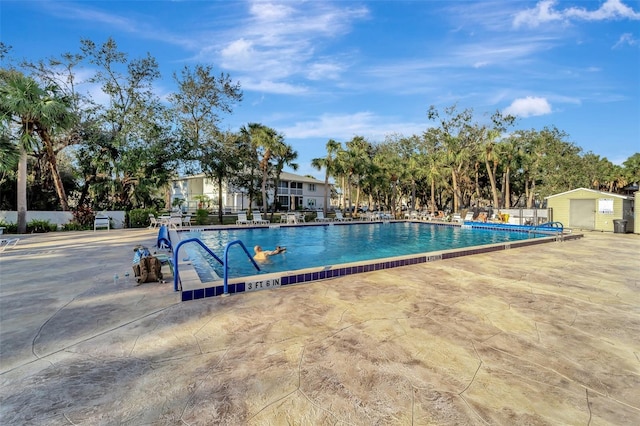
[(262, 255)]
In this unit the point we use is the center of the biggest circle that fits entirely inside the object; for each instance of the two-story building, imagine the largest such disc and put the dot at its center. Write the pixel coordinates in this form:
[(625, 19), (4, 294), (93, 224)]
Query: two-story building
[(295, 192)]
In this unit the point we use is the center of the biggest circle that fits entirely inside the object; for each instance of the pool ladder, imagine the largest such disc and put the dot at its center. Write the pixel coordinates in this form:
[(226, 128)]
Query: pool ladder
[(225, 263), (556, 228)]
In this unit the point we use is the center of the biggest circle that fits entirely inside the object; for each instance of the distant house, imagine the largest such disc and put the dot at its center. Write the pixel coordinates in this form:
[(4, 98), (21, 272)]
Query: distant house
[(295, 192), (592, 210)]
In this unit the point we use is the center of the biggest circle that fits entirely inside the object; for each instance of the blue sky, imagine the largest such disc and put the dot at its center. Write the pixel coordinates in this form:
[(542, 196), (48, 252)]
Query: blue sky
[(320, 70)]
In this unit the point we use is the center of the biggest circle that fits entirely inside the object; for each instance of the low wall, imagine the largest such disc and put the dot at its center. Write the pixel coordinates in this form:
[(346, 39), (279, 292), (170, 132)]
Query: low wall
[(118, 218)]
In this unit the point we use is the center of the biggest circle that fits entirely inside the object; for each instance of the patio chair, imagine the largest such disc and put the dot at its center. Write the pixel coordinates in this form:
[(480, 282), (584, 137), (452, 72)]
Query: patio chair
[(320, 217), (153, 222), (242, 219), (101, 221), (5, 243), (292, 218), (175, 222), (341, 218), (186, 221), (257, 218)]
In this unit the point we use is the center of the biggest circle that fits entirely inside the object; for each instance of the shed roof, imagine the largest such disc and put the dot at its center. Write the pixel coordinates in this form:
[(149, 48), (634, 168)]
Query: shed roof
[(598, 193)]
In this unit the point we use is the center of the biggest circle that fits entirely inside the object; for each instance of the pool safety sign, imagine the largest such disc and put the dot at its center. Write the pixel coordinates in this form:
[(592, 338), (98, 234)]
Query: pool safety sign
[(262, 285)]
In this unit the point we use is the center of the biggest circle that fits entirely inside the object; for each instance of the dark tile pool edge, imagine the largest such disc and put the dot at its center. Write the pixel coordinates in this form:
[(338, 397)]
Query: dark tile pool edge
[(305, 276)]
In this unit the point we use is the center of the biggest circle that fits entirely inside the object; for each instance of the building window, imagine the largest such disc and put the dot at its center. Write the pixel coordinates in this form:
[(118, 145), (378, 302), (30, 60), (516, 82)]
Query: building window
[(312, 187)]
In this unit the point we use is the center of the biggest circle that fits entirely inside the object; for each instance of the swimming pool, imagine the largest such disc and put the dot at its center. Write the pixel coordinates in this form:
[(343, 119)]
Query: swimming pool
[(328, 246)]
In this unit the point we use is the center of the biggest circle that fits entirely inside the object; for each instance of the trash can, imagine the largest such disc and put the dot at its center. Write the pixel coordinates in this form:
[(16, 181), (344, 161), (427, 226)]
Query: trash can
[(620, 226)]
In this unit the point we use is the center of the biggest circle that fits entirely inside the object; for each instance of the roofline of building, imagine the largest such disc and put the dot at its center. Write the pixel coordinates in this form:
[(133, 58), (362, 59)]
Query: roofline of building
[(608, 194)]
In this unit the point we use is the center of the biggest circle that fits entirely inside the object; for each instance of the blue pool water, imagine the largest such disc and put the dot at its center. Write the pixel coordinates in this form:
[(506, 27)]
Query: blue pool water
[(317, 246)]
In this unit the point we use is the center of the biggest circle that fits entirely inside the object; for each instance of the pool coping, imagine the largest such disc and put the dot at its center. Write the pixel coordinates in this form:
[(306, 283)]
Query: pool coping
[(190, 279)]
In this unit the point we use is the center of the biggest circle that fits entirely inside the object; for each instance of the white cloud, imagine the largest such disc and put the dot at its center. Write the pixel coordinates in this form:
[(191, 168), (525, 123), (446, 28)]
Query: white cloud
[(279, 41), (346, 126), (625, 39), (270, 86), (544, 12), (528, 107)]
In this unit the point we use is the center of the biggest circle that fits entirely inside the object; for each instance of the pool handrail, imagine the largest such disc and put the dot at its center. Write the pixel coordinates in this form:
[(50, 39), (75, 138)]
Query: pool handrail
[(225, 264), (557, 227), (176, 278)]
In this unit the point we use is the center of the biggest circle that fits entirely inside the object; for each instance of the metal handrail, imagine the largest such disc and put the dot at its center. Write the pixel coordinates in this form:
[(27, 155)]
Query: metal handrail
[(225, 264), (176, 279), (558, 227)]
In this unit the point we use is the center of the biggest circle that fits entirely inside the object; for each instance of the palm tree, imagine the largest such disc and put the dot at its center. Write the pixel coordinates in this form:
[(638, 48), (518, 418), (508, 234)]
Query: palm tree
[(264, 141), (329, 167), (38, 114), (284, 155)]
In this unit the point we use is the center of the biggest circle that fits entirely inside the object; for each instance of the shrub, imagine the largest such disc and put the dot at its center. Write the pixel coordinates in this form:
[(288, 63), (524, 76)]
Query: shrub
[(41, 226), (10, 228), (83, 215), (74, 226), (139, 218), (202, 217)]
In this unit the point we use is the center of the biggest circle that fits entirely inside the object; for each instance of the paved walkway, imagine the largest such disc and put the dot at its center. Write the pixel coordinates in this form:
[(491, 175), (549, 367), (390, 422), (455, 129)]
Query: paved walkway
[(542, 335)]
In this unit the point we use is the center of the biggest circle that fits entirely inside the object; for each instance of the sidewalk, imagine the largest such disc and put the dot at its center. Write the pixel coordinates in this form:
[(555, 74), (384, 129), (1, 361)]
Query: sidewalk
[(539, 335)]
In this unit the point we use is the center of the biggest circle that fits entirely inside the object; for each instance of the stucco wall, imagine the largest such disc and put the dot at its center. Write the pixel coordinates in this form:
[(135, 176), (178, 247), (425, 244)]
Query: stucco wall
[(59, 218)]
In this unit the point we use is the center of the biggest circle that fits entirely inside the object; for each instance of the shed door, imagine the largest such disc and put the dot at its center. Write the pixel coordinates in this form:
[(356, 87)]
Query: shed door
[(582, 214)]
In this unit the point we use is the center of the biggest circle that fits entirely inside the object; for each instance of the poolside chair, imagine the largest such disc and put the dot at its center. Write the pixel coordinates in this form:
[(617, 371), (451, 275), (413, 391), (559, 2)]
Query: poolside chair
[(101, 221), (258, 220), (175, 222), (186, 221), (341, 218), (5, 243), (320, 217), (469, 216), (153, 222), (292, 218), (242, 219), (457, 217)]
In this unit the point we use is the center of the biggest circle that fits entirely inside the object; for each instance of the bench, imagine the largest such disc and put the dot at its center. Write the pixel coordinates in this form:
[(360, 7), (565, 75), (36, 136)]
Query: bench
[(101, 222)]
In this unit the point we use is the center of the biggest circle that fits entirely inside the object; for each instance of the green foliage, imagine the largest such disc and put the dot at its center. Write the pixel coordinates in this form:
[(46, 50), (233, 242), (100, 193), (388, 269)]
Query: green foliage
[(10, 228), (139, 218), (83, 216), (74, 226), (40, 226), (202, 217)]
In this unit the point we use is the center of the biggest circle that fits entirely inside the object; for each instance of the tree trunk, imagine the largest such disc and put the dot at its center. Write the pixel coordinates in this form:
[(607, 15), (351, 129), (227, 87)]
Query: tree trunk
[(220, 200), (494, 189), (325, 209), (53, 165), (433, 196), (22, 192), (507, 188), (456, 196)]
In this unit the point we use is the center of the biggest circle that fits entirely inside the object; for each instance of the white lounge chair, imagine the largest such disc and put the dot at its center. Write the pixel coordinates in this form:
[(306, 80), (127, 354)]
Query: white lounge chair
[(242, 219), (153, 222), (320, 217), (341, 218), (258, 220)]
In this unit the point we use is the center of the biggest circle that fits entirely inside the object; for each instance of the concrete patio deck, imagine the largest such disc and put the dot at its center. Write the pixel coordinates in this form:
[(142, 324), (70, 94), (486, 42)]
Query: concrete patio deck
[(542, 335)]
